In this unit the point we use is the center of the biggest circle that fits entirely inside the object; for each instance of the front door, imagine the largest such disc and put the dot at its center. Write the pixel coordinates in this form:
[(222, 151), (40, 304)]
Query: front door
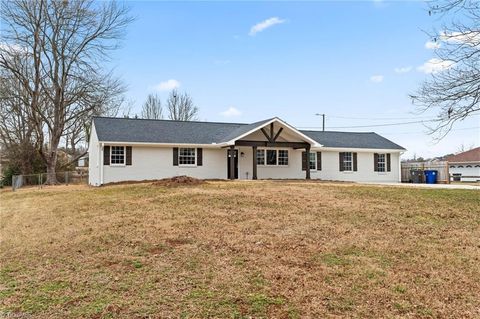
[(235, 155)]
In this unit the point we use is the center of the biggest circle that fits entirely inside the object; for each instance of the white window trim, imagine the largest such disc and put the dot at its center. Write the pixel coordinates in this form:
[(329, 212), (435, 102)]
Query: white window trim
[(278, 157), (187, 165), (314, 162), (384, 164), (124, 155), (264, 149), (351, 163), (256, 157)]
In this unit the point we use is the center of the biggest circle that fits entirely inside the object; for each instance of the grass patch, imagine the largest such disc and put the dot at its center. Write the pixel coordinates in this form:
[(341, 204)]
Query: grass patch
[(268, 249)]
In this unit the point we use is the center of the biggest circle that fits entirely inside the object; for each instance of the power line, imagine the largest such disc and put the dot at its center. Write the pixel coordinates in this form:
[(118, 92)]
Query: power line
[(379, 125), (422, 132), (380, 118)]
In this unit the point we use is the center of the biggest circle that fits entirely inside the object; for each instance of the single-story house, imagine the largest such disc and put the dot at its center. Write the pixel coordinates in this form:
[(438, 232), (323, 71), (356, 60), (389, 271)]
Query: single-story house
[(124, 149), (465, 166)]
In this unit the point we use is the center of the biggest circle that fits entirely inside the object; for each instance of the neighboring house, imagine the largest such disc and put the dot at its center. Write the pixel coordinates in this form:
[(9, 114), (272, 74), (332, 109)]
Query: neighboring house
[(124, 149), (465, 166), (82, 161)]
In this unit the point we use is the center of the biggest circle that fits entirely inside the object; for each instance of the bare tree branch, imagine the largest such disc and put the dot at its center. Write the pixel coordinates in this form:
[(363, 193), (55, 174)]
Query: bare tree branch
[(181, 107)]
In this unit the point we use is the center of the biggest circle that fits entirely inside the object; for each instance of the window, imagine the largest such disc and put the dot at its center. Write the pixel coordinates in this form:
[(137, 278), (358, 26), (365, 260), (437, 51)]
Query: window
[(282, 157), (452, 166), (261, 157), (468, 166), (117, 155), (381, 163), (313, 160), (186, 156), (347, 161), (271, 157)]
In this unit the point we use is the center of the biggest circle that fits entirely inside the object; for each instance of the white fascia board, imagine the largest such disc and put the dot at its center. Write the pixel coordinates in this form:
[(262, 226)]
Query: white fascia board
[(275, 119), (163, 144), (352, 149)]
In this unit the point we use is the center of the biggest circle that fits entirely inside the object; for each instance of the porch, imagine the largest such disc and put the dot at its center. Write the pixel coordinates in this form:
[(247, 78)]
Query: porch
[(271, 150)]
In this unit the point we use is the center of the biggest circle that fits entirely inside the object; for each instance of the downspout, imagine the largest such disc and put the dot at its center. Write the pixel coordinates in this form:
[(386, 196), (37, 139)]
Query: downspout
[(100, 155), (399, 167)]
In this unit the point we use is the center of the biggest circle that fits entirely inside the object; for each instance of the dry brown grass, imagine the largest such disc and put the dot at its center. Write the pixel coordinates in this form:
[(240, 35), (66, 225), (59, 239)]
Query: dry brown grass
[(239, 250)]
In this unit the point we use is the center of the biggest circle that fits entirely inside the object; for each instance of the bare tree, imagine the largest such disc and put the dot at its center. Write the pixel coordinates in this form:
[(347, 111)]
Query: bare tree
[(56, 50), (152, 108), (453, 89), (17, 137), (181, 107)]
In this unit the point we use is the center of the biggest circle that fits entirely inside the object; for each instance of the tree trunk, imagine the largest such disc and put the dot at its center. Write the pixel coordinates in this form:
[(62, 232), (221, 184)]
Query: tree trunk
[(51, 159), (51, 171)]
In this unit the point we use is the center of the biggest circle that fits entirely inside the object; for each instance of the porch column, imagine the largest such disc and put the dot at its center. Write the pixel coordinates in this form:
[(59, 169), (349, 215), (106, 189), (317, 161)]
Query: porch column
[(254, 169), (232, 161), (307, 169)]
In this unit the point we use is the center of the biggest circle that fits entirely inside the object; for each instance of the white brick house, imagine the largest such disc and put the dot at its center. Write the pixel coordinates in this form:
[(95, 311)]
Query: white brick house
[(137, 149)]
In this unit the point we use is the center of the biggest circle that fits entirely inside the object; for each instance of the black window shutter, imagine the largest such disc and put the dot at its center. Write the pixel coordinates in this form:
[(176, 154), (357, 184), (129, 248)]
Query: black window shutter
[(304, 161), (199, 157), (106, 155), (175, 156), (129, 155), (354, 162), (319, 161), (375, 162), (340, 161), (388, 162)]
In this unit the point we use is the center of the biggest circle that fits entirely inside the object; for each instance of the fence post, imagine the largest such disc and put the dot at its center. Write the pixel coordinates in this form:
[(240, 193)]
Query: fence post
[(13, 182), (66, 178)]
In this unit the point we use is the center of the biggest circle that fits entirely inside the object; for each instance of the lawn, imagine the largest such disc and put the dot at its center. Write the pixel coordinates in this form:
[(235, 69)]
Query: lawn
[(240, 250)]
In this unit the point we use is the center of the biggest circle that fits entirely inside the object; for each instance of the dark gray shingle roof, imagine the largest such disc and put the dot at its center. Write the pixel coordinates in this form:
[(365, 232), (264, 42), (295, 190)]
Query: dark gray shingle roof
[(181, 132), (352, 140), (162, 131)]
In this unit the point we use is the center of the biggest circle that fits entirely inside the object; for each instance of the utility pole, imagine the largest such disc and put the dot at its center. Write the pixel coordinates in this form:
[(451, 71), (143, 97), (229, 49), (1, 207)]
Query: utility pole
[(323, 120)]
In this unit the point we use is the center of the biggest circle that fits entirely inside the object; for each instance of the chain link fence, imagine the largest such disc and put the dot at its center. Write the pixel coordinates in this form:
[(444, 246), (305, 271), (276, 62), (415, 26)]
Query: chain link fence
[(39, 180)]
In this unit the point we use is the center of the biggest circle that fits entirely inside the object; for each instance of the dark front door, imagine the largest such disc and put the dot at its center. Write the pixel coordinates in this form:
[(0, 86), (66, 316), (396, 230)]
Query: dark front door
[(235, 167)]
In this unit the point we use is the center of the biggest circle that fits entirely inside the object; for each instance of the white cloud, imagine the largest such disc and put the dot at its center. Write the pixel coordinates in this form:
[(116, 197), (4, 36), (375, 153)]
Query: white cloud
[(231, 112), (12, 48), (167, 85), (259, 27), (404, 69), (431, 45), (472, 38), (435, 65), (376, 78)]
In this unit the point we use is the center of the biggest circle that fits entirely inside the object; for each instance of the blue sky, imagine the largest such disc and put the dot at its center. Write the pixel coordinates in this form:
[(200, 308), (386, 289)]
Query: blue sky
[(247, 61)]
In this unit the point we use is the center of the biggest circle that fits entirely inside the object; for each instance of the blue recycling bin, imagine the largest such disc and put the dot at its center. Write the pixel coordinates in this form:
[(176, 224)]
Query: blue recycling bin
[(430, 176)]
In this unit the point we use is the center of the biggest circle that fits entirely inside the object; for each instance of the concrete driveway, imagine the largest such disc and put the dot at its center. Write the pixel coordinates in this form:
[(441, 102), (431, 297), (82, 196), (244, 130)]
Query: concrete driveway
[(438, 186)]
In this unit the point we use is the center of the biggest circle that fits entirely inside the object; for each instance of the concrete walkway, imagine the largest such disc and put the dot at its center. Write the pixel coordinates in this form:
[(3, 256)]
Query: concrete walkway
[(437, 186)]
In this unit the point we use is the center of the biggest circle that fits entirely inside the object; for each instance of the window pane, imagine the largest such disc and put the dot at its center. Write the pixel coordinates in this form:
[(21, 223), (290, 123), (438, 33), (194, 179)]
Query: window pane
[(347, 161), (117, 155), (381, 163), (186, 156), (271, 157), (261, 157), (313, 160), (282, 157)]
